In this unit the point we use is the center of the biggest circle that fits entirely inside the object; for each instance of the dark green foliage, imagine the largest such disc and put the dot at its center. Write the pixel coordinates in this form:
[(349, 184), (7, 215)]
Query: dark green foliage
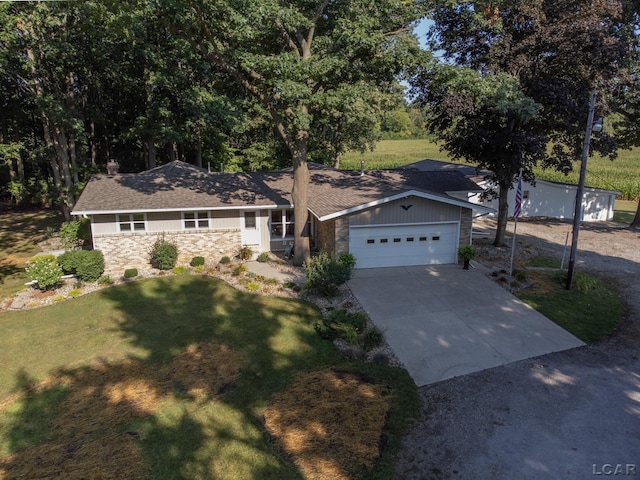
[(325, 274), (87, 264), (343, 325), (239, 270), (263, 257), (372, 338), (225, 259), (163, 254), (197, 261), (105, 280), (130, 273)]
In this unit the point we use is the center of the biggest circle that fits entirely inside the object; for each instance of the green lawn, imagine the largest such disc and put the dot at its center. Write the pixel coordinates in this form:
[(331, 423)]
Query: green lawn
[(622, 174), (127, 397)]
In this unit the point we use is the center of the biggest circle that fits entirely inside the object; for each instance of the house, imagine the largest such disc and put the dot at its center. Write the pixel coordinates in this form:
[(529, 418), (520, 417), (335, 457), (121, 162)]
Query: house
[(384, 218), (544, 199)]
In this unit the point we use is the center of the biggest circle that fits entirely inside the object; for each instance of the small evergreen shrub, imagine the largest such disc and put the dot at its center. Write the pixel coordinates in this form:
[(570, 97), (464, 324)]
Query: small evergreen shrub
[(163, 254), (181, 270), (372, 338), (105, 280), (87, 264), (75, 293), (343, 325), (197, 261), (325, 273), (263, 257), (130, 273), (253, 286), (45, 270), (198, 268), (225, 259)]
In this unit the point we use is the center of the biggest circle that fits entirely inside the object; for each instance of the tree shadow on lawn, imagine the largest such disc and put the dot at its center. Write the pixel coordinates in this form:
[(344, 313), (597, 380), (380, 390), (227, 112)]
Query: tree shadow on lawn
[(149, 416)]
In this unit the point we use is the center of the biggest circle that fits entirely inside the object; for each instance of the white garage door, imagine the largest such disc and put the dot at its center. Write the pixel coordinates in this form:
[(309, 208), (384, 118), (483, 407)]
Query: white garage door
[(404, 245)]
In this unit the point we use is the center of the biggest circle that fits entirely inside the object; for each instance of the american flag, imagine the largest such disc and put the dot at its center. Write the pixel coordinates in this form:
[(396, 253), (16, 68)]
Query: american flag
[(518, 207)]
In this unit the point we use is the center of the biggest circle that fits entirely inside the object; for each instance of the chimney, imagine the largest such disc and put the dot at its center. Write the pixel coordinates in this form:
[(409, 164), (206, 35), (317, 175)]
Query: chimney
[(112, 167)]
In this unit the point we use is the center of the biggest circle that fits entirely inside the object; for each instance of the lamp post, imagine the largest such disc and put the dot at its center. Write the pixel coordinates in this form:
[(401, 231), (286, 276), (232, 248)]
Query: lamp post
[(577, 216)]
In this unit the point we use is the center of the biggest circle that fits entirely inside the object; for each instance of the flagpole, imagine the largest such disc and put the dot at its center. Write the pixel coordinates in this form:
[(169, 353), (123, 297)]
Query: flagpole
[(516, 213)]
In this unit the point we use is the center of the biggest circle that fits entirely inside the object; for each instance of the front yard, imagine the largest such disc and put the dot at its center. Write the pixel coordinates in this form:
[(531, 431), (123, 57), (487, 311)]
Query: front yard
[(185, 377)]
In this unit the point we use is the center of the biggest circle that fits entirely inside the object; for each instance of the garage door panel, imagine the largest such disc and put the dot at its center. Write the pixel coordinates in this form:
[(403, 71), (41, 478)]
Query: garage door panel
[(384, 246)]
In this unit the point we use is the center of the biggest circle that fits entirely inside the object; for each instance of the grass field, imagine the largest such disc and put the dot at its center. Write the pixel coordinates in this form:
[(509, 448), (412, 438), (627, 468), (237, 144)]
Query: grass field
[(622, 174)]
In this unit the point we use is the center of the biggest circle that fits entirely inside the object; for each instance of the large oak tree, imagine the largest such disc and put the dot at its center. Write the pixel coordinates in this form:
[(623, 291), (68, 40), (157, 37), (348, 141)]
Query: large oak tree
[(302, 61)]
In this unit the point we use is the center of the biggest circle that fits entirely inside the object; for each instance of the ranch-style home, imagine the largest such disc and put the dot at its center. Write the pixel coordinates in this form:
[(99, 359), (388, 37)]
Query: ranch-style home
[(544, 199), (384, 218)]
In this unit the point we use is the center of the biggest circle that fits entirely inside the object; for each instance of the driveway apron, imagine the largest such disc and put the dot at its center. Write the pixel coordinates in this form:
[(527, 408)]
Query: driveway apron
[(443, 321)]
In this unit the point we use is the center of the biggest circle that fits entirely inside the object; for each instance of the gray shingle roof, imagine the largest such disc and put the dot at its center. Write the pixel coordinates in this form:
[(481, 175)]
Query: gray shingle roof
[(180, 186)]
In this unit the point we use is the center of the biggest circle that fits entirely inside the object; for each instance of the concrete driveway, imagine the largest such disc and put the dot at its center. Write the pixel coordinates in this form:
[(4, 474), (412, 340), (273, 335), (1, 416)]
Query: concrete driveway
[(443, 321)]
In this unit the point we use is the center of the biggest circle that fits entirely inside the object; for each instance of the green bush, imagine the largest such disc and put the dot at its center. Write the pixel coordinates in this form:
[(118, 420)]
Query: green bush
[(181, 270), (225, 259), (130, 273), (239, 270), (75, 233), (325, 273), (372, 338), (87, 264), (105, 280), (45, 270), (163, 254), (263, 257), (197, 261), (343, 325)]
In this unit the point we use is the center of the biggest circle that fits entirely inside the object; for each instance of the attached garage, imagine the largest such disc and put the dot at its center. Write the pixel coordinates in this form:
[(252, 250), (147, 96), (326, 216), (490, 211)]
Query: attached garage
[(404, 245)]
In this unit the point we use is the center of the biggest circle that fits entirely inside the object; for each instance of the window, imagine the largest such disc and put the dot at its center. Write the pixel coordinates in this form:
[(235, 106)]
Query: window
[(397, 240), (250, 220), (193, 220), (423, 239), (282, 223), (131, 222), (409, 239), (435, 239), (370, 241), (525, 194), (384, 240)]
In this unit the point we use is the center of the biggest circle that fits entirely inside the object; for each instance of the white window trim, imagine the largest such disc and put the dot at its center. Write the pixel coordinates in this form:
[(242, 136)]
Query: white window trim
[(284, 223), (131, 223), (196, 218)]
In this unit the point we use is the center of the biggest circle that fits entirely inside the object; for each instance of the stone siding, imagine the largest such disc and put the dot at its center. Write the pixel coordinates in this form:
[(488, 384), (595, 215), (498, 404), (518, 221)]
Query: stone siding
[(326, 235), (342, 235), (466, 224), (132, 250)]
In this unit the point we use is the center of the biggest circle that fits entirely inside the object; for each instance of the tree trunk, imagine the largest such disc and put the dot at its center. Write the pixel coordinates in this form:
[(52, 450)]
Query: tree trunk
[(93, 141), (74, 159), (198, 145), (62, 151), (299, 199), (503, 215), (151, 152), (636, 219)]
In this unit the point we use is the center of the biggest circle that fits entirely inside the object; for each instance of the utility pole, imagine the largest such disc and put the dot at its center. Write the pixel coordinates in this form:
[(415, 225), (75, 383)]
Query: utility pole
[(577, 216)]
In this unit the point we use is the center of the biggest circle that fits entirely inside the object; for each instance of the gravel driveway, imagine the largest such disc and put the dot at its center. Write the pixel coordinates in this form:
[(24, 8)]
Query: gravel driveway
[(569, 415)]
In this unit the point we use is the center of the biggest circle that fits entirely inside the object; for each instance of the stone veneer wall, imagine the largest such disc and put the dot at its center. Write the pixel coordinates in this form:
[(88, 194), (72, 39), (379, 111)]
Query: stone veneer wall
[(342, 235), (325, 235), (466, 224), (122, 251)]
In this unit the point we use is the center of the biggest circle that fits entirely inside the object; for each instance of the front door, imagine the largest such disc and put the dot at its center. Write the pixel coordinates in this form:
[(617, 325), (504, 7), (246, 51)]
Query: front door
[(250, 228)]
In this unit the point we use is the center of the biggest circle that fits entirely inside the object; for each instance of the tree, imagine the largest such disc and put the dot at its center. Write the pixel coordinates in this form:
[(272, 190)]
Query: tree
[(295, 58), (557, 51)]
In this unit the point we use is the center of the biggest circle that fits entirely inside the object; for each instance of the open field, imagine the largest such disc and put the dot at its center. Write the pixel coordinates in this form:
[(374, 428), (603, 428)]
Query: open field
[(622, 174)]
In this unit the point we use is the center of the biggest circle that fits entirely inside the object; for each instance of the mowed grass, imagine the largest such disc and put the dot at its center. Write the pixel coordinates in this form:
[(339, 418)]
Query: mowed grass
[(590, 310), (622, 174), (19, 234), (170, 378)]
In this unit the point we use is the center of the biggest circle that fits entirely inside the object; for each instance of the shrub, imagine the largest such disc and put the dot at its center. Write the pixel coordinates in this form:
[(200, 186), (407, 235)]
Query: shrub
[(263, 257), (239, 269), (75, 292), (87, 264), (343, 325), (180, 270), (225, 259), (198, 268), (325, 273), (467, 252), (130, 273), (45, 270), (253, 286), (75, 233), (105, 280), (163, 254), (197, 261), (245, 253), (372, 338)]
